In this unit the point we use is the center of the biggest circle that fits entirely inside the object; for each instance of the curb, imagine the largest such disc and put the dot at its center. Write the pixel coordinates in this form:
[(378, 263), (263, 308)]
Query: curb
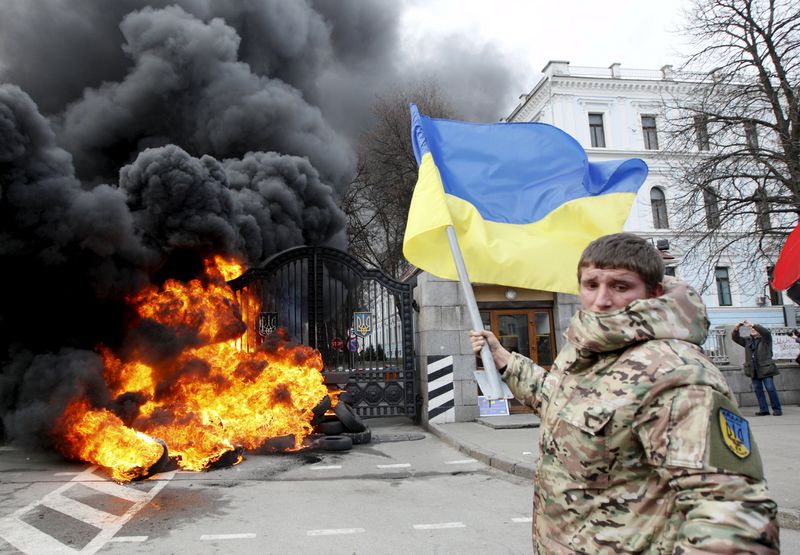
[(487, 457), (788, 519)]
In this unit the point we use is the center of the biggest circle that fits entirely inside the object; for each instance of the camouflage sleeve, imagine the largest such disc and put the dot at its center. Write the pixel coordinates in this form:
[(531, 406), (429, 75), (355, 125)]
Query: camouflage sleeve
[(704, 450), (524, 378)]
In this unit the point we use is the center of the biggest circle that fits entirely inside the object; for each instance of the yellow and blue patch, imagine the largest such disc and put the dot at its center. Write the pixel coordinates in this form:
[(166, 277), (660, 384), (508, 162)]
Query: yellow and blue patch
[(735, 433)]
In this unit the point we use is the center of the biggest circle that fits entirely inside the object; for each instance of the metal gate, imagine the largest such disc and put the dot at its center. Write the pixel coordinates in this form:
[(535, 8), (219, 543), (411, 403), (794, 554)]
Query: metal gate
[(359, 319)]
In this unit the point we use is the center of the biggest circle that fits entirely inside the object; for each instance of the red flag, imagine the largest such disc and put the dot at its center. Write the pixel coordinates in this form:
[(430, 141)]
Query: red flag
[(787, 269)]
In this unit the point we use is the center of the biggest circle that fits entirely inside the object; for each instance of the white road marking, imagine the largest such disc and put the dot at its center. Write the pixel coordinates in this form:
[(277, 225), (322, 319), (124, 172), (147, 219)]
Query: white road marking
[(335, 532), (462, 461), (66, 473), (7, 448), (117, 490), (527, 453), (211, 537), (122, 539), (522, 519), (439, 526), (30, 539), (76, 509), (398, 465), (329, 467)]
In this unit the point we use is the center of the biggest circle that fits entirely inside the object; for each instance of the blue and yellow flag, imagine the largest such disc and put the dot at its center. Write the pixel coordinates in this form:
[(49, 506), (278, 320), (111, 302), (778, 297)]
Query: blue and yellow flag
[(523, 198)]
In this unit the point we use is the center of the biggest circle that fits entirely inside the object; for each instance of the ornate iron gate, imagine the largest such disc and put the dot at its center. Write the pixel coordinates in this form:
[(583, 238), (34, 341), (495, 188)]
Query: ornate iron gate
[(358, 318)]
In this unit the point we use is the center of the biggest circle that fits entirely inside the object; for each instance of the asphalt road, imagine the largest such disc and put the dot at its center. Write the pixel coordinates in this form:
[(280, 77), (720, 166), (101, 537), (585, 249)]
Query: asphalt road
[(408, 492)]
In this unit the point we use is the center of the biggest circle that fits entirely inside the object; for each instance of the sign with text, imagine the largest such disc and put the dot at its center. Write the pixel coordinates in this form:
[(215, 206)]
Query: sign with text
[(497, 407), (784, 347)]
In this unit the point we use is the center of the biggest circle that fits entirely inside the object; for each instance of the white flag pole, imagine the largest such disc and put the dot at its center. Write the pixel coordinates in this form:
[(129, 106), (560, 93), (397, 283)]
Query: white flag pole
[(493, 384)]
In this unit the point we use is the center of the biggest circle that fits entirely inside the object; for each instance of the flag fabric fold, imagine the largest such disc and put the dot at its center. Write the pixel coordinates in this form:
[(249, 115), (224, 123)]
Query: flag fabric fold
[(787, 268), (522, 197)]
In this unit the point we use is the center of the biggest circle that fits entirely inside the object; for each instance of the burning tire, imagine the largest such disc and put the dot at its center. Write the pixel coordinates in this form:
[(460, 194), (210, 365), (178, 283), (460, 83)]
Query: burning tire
[(161, 464), (319, 410), (349, 418), (347, 397), (359, 438), (332, 428), (335, 443), (229, 458)]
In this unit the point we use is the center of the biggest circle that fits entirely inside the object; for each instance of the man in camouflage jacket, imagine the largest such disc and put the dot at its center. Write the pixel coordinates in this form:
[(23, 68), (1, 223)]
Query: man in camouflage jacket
[(642, 448)]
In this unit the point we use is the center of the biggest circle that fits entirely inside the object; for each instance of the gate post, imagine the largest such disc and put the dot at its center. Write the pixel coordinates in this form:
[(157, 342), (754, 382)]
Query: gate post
[(444, 355)]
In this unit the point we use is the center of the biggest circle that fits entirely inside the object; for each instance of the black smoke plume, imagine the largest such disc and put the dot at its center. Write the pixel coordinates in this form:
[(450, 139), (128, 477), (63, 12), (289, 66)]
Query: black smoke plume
[(136, 138), (188, 154)]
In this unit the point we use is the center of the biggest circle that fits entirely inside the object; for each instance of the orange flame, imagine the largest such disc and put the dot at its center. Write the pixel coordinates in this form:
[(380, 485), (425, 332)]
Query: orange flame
[(210, 398), (100, 436)]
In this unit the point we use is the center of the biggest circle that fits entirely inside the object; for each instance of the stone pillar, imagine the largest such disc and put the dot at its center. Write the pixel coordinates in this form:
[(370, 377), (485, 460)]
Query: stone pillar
[(442, 324)]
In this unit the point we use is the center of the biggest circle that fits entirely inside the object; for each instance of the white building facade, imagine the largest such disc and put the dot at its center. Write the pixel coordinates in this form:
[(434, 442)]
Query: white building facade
[(618, 113), (615, 114)]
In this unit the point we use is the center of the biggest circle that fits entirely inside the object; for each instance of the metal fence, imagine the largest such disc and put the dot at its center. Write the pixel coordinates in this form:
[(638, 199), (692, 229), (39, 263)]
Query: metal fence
[(358, 318), (715, 347)]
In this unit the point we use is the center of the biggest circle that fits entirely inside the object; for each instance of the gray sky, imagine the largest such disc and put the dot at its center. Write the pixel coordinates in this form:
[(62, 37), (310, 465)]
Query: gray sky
[(526, 34)]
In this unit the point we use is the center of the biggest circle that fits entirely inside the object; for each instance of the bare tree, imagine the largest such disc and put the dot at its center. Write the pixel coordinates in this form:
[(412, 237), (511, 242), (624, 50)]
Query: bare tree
[(377, 200), (735, 130)]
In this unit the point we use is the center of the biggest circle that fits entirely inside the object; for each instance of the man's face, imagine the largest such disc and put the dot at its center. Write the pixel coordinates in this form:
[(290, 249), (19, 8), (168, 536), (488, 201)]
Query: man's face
[(609, 289)]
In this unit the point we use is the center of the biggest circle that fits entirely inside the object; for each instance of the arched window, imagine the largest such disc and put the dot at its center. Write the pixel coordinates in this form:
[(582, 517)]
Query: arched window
[(658, 202), (712, 208)]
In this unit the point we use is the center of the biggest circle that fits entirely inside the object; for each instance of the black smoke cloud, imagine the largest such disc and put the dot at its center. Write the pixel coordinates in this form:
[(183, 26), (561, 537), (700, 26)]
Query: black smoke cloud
[(138, 137), (186, 86)]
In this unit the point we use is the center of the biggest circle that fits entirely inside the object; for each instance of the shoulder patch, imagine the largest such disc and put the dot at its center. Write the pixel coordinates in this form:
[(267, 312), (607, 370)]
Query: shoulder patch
[(731, 445), (735, 432)]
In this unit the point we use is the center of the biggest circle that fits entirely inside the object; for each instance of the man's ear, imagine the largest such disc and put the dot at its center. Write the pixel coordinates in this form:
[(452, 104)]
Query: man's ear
[(658, 291)]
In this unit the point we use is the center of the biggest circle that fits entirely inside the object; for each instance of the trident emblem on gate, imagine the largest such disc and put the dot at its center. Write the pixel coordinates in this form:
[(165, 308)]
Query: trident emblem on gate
[(362, 323)]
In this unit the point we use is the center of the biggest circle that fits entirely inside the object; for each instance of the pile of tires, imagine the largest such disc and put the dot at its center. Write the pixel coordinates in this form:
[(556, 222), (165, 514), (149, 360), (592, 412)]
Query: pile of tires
[(341, 430)]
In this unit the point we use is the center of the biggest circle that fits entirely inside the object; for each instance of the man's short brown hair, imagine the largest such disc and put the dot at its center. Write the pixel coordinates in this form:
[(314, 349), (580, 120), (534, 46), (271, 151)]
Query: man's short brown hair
[(628, 252)]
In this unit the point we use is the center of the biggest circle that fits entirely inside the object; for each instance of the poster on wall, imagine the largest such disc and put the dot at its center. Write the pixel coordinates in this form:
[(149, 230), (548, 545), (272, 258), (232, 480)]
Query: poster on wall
[(784, 347)]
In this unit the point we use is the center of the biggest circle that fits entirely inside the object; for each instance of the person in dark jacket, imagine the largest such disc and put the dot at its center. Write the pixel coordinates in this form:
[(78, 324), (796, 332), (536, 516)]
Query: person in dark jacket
[(758, 365)]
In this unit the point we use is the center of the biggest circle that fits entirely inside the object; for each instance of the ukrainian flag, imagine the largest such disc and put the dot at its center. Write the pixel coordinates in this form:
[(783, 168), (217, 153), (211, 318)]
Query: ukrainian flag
[(523, 199)]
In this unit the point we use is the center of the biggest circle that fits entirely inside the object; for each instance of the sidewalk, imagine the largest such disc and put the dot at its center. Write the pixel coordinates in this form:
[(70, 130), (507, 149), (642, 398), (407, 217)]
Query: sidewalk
[(510, 444)]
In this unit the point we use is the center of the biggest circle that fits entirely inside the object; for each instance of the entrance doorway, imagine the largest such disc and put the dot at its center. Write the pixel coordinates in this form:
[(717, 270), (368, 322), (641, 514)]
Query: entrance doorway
[(528, 331)]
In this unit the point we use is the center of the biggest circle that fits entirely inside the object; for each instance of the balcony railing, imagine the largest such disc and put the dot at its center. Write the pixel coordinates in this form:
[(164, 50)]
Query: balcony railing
[(714, 346)]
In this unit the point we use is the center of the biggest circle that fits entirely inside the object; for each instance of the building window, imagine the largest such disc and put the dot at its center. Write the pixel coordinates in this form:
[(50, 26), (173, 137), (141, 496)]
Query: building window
[(649, 132), (763, 219), (751, 134), (775, 296), (723, 286), (712, 208), (596, 132), (701, 132), (658, 203)]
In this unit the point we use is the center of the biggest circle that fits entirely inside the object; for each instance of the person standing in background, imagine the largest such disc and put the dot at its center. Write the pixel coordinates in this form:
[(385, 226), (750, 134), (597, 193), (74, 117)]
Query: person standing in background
[(758, 364)]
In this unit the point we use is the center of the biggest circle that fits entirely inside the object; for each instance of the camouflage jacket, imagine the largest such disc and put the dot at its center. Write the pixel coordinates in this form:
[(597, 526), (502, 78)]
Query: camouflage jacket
[(641, 446)]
